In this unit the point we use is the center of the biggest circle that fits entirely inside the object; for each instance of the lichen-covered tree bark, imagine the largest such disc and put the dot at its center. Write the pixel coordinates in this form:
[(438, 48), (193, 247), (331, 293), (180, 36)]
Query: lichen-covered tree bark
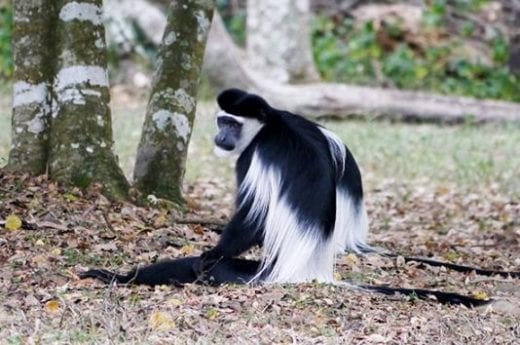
[(279, 40), (33, 53), (161, 156), (81, 132)]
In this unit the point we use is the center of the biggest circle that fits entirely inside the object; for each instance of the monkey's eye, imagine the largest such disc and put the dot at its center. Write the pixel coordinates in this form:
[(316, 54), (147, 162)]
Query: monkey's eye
[(229, 123)]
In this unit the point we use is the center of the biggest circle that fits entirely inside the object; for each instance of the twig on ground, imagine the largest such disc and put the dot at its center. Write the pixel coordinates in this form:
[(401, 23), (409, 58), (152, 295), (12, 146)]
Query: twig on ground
[(107, 221), (201, 221)]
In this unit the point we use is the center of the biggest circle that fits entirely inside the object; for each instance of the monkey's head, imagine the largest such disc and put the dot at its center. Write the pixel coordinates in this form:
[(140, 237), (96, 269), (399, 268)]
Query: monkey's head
[(241, 118)]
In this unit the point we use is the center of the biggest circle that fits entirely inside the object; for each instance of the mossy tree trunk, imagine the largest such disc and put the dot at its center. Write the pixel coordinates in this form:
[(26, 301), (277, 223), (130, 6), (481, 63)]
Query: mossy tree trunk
[(61, 118), (81, 132), (33, 55), (161, 155)]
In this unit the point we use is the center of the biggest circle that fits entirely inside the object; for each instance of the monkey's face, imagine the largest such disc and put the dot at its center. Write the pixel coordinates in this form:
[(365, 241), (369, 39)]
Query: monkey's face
[(234, 133)]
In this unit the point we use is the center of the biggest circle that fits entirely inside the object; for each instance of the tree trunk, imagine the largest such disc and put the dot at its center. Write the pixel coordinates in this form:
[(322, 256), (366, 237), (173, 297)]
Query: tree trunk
[(33, 53), (512, 8), (225, 68), (161, 156), (81, 132), (279, 40)]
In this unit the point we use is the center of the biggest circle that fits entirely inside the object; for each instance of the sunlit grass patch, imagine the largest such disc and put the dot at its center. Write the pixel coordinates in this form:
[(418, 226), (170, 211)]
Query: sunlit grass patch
[(465, 156)]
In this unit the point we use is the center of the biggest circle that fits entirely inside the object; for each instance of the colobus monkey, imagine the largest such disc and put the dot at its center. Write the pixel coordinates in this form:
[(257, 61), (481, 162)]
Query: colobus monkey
[(299, 195), (299, 191)]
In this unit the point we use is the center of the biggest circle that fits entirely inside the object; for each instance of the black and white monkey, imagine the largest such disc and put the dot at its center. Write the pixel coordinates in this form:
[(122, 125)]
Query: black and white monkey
[(299, 196), (299, 191)]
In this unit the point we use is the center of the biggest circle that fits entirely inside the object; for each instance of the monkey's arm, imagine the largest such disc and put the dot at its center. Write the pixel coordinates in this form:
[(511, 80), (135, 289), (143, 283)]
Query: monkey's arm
[(179, 272), (237, 237)]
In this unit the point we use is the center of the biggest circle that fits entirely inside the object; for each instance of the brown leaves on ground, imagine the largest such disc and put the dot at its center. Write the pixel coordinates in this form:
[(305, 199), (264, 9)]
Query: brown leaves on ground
[(65, 231)]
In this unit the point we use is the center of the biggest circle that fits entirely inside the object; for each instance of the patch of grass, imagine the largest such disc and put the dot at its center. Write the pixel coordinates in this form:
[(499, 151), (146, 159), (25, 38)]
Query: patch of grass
[(127, 124), (469, 157)]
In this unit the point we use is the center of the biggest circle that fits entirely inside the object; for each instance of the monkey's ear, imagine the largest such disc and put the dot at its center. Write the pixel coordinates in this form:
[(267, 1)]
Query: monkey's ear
[(241, 103)]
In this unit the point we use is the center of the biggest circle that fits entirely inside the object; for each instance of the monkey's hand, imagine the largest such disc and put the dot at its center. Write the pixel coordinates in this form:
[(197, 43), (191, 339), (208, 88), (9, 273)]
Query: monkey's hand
[(208, 260)]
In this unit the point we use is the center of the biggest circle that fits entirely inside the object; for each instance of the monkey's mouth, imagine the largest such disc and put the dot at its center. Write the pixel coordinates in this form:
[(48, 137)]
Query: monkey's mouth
[(226, 147)]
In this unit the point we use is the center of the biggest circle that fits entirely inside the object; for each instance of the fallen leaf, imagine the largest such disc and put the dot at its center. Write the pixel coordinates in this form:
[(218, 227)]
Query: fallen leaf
[(187, 249), (352, 259), (53, 306), (174, 302), (481, 295), (212, 314), (40, 259), (13, 222), (161, 219), (69, 197), (198, 229), (160, 321)]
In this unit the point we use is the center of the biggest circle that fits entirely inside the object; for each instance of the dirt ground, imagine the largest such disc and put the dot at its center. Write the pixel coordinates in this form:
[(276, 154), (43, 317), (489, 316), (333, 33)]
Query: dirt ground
[(67, 231)]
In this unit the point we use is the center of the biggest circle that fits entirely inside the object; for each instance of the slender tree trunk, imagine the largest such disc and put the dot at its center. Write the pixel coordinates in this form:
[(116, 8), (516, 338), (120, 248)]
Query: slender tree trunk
[(81, 134), (33, 53), (512, 8), (161, 156), (279, 40)]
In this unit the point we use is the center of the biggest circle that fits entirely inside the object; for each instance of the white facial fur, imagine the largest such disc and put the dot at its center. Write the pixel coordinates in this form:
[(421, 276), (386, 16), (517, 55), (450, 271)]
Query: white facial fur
[(250, 128)]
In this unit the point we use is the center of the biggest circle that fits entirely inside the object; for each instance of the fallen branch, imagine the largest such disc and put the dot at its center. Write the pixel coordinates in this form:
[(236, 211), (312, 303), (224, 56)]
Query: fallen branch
[(225, 67)]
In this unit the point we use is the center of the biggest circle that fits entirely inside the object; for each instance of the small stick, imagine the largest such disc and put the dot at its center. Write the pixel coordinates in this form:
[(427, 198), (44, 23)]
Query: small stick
[(201, 221)]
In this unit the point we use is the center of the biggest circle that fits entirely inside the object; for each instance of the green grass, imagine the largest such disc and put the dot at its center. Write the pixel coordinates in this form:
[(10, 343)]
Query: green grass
[(467, 156), (127, 124), (470, 157)]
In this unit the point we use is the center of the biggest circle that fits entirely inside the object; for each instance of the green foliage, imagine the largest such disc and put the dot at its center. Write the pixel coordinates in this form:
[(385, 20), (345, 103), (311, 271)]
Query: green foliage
[(353, 53), (234, 16), (6, 32)]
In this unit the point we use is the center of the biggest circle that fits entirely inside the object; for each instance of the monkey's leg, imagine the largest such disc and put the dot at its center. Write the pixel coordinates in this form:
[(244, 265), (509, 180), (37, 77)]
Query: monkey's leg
[(181, 271), (440, 296)]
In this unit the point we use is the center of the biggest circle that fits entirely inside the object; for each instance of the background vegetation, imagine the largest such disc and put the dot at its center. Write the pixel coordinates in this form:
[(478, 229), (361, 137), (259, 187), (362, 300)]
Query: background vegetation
[(6, 53), (371, 52), (385, 53)]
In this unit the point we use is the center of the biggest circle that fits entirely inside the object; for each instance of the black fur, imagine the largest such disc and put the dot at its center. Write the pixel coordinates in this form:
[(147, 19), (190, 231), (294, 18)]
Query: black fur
[(181, 271), (301, 152), (241, 103)]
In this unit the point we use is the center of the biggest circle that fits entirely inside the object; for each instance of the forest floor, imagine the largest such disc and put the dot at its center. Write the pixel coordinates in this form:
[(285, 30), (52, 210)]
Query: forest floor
[(450, 192)]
